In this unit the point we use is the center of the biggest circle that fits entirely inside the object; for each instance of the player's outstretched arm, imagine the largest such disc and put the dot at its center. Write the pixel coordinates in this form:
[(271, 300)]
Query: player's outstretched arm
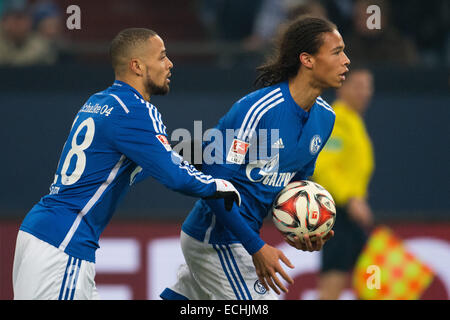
[(136, 137)]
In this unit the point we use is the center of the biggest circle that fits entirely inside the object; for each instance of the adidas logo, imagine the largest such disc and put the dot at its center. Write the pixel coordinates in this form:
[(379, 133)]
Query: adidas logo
[(278, 144)]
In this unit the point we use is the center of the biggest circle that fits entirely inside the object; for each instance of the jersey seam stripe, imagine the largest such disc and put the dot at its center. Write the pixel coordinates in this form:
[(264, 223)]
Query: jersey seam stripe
[(156, 113), (70, 283), (323, 104), (260, 109), (249, 112), (91, 203), (124, 107), (66, 284), (151, 116), (69, 279), (161, 124), (323, 101), (252, 111), (193, 172), (326, 107), (320, 99), (209, 230), (226, 272), (197, 177), (261, 115), (63, 284), (232, 271), (239, 272), (76, 279)]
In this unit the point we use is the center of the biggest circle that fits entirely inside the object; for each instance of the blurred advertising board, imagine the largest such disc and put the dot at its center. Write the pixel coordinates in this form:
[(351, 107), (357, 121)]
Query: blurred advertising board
[(137, 260)]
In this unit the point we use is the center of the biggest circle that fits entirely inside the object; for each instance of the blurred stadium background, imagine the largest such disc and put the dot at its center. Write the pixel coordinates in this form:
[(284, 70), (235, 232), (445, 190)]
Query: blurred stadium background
[(47, 71)]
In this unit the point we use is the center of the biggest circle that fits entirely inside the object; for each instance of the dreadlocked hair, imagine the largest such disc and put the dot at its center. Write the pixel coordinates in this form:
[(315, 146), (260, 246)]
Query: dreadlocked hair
[(303, 35)]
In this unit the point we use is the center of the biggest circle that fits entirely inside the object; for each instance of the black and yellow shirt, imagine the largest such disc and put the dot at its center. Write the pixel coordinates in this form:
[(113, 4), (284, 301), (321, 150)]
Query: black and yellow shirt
[(345, 165)]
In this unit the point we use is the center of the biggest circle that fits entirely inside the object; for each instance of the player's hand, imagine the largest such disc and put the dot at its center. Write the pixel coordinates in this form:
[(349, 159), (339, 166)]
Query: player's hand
[(226, 190), (267, 265), (307, 244)]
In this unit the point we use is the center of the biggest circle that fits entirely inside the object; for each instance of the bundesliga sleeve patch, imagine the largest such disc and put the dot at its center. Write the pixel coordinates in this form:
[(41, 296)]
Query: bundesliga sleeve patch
[(237, 151), (163, 139)]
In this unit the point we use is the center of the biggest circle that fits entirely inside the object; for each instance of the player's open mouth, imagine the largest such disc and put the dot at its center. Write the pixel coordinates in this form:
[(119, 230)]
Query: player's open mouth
[(342, 75)]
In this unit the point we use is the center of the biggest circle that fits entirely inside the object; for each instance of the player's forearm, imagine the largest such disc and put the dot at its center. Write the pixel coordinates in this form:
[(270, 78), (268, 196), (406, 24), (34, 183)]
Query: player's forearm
[(233, 219), (183, 178), (234, 222)]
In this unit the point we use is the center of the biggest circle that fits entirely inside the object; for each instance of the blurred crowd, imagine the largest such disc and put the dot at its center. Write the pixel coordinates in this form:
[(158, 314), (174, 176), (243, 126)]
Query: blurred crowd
[(29, 32), (412, 33)]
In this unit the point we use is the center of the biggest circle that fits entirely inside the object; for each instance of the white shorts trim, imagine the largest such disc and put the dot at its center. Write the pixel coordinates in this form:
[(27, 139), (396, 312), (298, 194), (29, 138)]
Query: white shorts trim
[(216, 271), (43, 272)]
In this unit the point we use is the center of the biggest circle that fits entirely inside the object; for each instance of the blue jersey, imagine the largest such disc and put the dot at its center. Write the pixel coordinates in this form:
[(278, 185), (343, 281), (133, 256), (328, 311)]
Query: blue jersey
[(117, 139), (273, 141)]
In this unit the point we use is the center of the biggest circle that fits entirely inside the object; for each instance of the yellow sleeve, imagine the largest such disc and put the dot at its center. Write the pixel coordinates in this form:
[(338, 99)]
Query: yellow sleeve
[(362, 163)]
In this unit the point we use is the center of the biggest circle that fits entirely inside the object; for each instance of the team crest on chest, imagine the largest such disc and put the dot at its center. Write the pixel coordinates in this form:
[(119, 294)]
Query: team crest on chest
[(315, 144)]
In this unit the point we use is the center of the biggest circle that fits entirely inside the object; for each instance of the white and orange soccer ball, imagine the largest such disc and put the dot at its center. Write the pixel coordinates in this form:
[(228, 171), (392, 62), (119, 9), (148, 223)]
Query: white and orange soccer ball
[(304, 207)]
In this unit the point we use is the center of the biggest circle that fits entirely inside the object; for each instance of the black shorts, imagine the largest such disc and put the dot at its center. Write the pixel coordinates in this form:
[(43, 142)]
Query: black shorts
[(341, 251)]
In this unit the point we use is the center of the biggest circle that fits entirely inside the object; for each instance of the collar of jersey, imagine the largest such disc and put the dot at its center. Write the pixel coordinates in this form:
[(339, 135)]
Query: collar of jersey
[(126, 86), (302, 114)]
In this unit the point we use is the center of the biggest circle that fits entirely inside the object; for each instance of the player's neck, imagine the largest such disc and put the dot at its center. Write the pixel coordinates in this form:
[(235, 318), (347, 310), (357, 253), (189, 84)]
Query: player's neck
[(303, 93), (137, 85)]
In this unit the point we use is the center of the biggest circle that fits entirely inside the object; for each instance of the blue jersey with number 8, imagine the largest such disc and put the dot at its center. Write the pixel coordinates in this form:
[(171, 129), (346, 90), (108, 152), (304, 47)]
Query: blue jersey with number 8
[(117, 138)]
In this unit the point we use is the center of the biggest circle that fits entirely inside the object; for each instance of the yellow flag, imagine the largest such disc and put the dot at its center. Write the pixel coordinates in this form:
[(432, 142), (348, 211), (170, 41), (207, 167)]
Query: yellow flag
[(385, 270)]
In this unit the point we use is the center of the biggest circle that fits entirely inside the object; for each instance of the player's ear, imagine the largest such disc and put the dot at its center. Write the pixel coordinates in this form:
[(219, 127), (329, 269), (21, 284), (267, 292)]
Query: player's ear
[(136, 67), (306, 59)]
